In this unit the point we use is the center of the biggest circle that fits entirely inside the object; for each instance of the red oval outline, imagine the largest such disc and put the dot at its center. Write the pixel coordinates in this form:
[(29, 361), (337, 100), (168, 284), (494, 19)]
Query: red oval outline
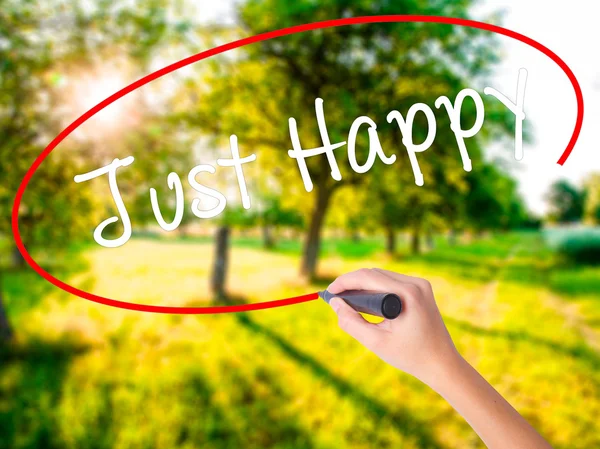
[(230, 46)]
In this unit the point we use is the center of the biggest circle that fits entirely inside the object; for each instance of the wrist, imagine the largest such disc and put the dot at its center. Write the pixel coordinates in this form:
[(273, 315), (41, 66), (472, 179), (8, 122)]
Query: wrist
[(447, 372)]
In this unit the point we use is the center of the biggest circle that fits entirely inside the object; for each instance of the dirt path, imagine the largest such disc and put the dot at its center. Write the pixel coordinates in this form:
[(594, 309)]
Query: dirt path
[(574, 319), (569, 310)]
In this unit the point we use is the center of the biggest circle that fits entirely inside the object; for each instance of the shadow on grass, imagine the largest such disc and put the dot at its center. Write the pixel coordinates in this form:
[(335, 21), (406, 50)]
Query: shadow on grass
[(482, 269), (32, 377), (264, 398), (533, 265), (323, 279), (582, 352), (376, 410), (214, 425), (576, 280), (23, 289), (255, 421)]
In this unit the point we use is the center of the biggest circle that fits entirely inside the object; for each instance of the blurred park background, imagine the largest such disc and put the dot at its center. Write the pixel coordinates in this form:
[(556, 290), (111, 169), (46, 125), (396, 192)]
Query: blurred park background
[(518, 286)]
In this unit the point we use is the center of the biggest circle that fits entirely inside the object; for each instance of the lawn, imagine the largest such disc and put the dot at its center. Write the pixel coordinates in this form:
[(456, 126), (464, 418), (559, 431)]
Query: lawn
[(83, 375)]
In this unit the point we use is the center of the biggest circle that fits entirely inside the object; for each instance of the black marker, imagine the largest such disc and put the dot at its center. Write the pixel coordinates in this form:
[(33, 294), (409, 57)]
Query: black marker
[(385, 305)]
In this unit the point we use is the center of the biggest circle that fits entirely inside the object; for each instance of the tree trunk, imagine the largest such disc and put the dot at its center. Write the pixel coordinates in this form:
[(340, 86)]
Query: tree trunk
[(390, 240), (430, 241), (268, 240), (5, 329), (17, 258), (416, 240), (219, 273), (312, 243), (452, 237)]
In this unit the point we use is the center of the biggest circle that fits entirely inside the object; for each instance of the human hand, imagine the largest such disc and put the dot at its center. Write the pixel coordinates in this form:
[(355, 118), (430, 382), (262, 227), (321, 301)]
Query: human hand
[(416, 342)]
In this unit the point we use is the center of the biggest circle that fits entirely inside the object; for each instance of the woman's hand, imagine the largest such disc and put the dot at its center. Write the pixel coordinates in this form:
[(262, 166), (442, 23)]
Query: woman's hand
[(416, 342)]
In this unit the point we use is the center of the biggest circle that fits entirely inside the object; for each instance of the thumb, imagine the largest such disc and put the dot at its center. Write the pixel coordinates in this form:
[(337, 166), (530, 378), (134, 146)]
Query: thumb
[(352, 322)]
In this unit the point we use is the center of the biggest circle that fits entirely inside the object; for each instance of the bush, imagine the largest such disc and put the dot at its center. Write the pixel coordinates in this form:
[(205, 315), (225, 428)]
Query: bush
[(581, 245)]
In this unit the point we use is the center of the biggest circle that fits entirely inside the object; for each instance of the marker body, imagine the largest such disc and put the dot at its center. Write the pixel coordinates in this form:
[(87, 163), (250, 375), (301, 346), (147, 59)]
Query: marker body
[(385, 305)]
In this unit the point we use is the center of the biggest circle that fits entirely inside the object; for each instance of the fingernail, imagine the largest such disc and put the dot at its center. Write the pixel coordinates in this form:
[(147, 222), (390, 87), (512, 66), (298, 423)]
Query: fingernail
[(335, 304)]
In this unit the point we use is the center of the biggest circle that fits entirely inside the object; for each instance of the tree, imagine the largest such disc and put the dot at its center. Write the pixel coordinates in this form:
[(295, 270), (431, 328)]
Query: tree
[(274, 215), (41, 40), (357, 70), (221, 262), (492, 201), (22, 121), (402, 205), (566, 202), (592, 200)]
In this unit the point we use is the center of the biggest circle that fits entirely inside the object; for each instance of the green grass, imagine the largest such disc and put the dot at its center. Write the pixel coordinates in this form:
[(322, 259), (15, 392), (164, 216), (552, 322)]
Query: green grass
[(83, 375), (330, 247)]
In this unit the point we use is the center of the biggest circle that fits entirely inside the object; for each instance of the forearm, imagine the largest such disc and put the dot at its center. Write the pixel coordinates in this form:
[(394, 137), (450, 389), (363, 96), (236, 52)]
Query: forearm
[(418, 343), (496, 422)]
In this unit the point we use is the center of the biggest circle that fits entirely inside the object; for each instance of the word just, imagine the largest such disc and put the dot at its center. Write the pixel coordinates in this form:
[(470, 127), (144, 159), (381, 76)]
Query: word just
[(300, 154)]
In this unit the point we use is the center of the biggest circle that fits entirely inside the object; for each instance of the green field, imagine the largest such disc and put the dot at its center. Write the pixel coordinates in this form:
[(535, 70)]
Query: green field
[(82, 375)]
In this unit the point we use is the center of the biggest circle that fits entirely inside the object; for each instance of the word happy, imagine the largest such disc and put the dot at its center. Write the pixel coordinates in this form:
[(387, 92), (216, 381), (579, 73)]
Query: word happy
[(405, 125)]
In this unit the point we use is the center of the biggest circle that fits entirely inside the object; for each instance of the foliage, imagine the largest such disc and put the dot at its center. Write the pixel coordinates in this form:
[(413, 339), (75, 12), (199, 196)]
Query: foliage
[(238, 217), (581, 245), (274, 214), (592, 198), (357, 70), (493, 201), (41, 45), (40, 42), (24, 122), (566, 202)]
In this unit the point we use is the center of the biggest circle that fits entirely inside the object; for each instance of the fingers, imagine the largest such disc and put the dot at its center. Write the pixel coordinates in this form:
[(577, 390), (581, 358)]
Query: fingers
[(352, 322), (363, 279), (366, 279), (424, 284)]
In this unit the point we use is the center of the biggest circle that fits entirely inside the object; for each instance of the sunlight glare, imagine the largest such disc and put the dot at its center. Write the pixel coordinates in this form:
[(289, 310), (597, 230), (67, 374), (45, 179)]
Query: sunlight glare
[(82, 91)]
